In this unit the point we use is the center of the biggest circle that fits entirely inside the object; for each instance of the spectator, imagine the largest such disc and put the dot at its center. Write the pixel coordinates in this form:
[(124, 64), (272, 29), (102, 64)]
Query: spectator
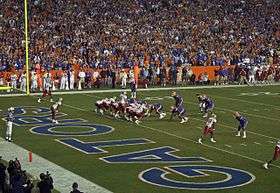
[(45, 184), (3, 176), (75, 188)]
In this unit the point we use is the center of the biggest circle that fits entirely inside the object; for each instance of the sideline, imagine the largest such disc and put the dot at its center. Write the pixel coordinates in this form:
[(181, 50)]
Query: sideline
[(140, 89), (63, 178)]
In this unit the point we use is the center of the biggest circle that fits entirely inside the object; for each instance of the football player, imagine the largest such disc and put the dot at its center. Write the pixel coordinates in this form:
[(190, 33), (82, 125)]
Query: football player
[(178, 109), (123, 97), (208, 105), (54, 110), (178, 99), (47, 88), (201, 104), (209, 128), (10, 118), (181, 112), (133, 89), (275, 156), (158, 108), (243, 122)]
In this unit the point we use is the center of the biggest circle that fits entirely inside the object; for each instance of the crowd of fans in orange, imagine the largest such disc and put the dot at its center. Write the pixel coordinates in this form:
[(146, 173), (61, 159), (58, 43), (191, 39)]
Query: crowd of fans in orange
[(162, 38)]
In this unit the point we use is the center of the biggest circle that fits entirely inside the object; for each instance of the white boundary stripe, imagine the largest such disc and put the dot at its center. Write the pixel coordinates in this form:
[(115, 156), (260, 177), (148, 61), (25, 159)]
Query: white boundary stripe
[(141, 89), (63, 178), (247, 101), (271, 142)]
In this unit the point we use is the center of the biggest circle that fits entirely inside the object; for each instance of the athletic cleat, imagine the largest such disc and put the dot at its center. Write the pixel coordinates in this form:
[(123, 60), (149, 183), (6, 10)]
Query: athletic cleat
[(162, 115), (51, 100), (137, 122), (265, 165), (183, 121), (212, 140), (244, 137), (39, 100), (200, 140)]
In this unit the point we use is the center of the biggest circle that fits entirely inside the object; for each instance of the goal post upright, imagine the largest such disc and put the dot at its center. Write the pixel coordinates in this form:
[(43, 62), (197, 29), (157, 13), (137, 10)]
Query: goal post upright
[(26, 45)]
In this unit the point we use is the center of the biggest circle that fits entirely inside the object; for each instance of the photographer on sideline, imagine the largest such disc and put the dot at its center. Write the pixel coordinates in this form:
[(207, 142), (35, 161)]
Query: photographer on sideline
[(75, 188), (46, 183)]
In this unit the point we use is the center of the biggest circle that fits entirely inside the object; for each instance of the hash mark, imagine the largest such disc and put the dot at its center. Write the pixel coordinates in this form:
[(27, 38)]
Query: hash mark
[(228, 145), (257, 143), (243, 144)]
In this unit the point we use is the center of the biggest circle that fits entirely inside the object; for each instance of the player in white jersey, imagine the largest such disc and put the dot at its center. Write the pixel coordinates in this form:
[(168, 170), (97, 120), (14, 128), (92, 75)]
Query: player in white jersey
[(47, 88), (72, 80), (275, 157), (123, 97), (14, 81), (209, 128), (54, 110), (34, 81), (22, 81), (10, 118)]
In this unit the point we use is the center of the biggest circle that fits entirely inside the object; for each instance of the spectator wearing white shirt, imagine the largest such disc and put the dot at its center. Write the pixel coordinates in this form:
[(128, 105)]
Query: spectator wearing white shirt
[(81, 76)]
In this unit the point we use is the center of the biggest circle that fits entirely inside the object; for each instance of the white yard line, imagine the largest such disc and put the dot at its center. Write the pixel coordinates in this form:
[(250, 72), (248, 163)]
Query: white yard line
[(247, 101), (191, 140), (63, 178), (141, 89), (273, 142)]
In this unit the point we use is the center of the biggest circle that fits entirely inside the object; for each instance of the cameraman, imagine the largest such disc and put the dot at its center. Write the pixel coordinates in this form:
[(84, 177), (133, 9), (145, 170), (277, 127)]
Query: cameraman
[(46, 183)]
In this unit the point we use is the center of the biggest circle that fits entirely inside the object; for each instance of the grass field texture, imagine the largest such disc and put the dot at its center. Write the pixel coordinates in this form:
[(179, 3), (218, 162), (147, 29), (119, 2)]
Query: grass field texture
[(261, 105)]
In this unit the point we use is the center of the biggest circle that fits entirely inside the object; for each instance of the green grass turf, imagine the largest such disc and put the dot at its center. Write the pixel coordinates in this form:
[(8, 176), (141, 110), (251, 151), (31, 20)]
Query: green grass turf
[(262, 111)]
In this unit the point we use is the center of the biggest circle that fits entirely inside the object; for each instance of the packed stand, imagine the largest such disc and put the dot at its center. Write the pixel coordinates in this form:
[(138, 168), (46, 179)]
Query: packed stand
[(95, 43)]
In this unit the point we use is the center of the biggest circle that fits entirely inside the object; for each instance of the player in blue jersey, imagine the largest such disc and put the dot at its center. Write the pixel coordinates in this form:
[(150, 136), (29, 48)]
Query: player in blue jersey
[(178, 109), (178, 99), (243, 122), (133, 89), (208, 105), (180, 112), (158, 108), (10, 118), (201, 104)]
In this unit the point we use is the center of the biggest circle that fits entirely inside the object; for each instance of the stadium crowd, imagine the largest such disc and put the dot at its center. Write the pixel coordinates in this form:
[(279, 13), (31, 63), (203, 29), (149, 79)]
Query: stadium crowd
[(93, 43)]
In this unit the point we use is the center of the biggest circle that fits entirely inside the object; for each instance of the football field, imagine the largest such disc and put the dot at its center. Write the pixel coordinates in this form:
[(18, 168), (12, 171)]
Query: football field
[(157, 156)]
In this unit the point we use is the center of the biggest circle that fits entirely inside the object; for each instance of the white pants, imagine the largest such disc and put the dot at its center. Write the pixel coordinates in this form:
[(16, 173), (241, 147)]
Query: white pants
[(14, 84), (9, 129), (252, 79), (62, 83), (72, 84), (23, 86), (34, 85), (123, 83)]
